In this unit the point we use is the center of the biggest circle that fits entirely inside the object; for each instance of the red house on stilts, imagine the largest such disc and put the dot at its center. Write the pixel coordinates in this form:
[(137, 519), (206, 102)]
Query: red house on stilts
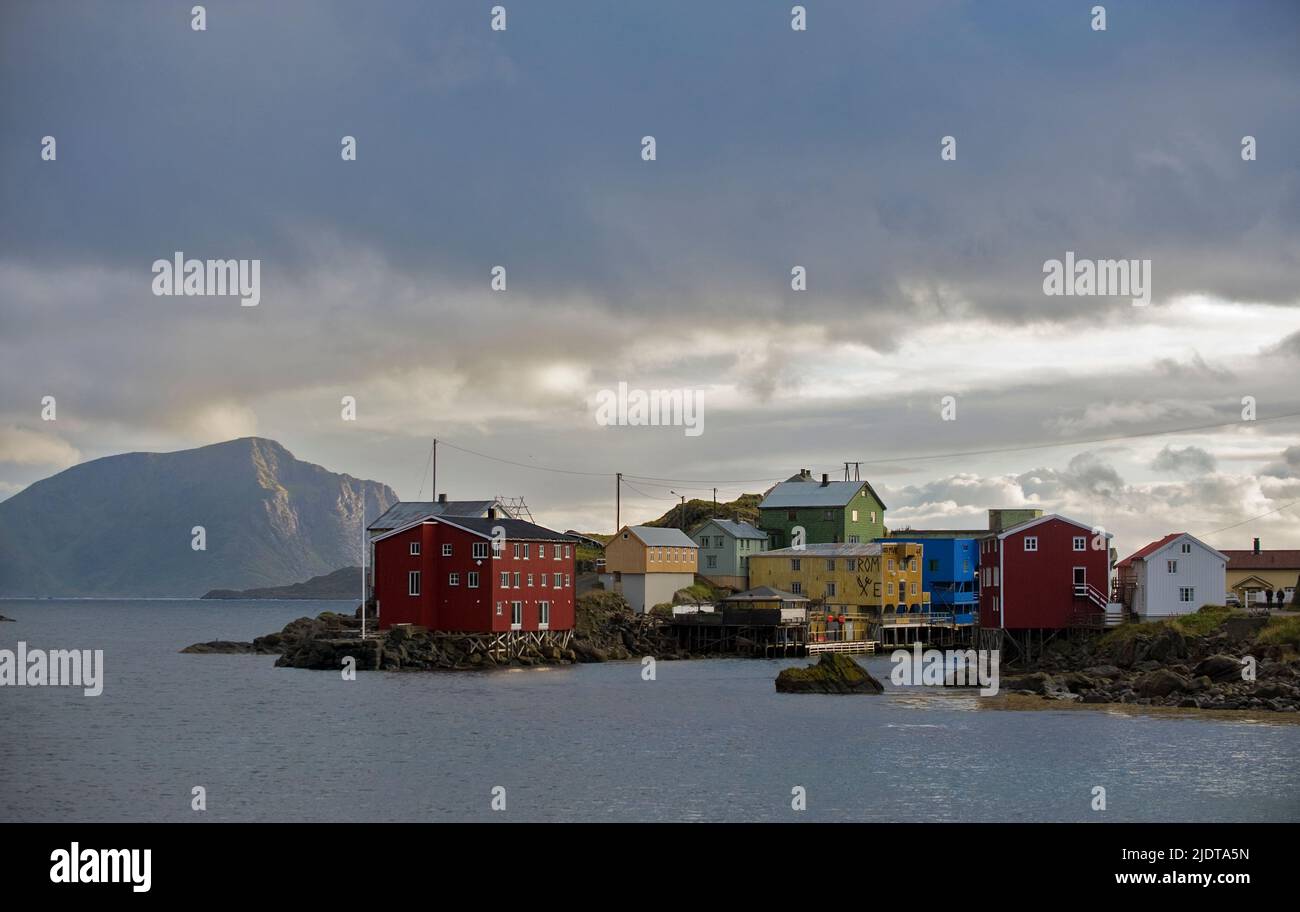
[(1045, 575), (482, 575)]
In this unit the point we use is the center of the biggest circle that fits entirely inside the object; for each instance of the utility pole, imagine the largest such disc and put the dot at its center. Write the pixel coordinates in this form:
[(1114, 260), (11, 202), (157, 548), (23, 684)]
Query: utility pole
[(363, 564), (715, 501), (435, 469), (681, 513), (618, 493)]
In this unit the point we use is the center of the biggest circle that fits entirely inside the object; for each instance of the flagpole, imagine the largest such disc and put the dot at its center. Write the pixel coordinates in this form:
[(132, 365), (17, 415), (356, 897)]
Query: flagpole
[(363, 564)]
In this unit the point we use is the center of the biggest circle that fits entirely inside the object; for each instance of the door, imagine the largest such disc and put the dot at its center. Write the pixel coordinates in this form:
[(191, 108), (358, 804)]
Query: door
[(1081, 579)]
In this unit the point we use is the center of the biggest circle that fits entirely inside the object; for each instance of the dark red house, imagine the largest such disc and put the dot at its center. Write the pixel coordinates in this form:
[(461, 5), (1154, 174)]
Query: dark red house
[(1043, 574), (445, 573)]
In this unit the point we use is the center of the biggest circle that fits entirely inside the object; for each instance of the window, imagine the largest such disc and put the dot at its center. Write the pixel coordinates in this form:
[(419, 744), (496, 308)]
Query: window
[(722, 543), (526, 548), (1080, 543), (891, 565), (516, 615), (830, 565), (453, 579), (830, 590), (543, 615), (711, 562), (472, 580), (505, 579), (796, 563), (828, 514), (914, 588), (1186, 594), (530, 579), (516, 548), (415, 547), (497, 546), (1031, 542), (498, 609), (934, 566), (480, 550), (873, 512), (796, 587), (413, 583), (568, 551), (997, 577), (558, 577), (543, 580), (1187, 548), (791, 515), (568, 581), (889, 588), (1171, 566), (446, 550), (855, 515), (854, 539), (541, 552), (516, 579)]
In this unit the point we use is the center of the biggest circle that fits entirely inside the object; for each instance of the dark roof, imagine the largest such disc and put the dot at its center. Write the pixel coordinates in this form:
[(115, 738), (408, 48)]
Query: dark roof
[(516, 529), (734, 529), (809, 493), (660, 536), (405, 511), (765, 594), (1285, 559)]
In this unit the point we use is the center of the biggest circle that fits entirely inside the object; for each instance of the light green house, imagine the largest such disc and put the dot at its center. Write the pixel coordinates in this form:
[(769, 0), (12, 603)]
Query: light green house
[(829, 512), (725, 547)]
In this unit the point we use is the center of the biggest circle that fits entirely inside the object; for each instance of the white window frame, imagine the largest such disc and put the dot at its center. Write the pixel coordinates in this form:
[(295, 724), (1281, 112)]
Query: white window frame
[(413, 582), (471, 580), (505, 579), (480, 550), (557, 579), (1031, 543), (1171, 566), (446, 549), (516, 611), (1191, 594), (1080, 543), (453, 579), (830, 589), (415, 549), (543, 615)]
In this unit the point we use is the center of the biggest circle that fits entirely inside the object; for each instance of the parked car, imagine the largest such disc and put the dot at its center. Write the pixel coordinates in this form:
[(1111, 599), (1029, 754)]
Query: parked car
[(1232, 601)]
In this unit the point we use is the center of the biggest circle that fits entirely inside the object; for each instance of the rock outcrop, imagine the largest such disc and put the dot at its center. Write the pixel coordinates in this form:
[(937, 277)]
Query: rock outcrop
[(834, 673)]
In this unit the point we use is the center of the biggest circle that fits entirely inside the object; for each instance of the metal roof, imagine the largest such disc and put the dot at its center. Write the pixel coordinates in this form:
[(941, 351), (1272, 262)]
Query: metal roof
[(765, 594), (811, 493), (405, 511), (736, 529), (1283, 559), (869, 549), (657, 536), (516, 529)]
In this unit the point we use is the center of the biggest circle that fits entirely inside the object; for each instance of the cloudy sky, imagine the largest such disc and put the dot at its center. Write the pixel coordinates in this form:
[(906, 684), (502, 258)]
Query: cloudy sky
[(775, 148)]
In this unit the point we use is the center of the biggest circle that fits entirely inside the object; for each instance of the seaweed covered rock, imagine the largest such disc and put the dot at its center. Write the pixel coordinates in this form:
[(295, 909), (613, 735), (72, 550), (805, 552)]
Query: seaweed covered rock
[(834, 673)]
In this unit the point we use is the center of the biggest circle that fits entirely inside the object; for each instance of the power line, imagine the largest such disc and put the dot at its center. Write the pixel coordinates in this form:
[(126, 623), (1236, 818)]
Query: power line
[(1252, 519)]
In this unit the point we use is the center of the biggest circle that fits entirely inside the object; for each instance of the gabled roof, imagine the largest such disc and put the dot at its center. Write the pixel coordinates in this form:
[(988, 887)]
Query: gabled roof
[(869, 549), (406, 511), (659, 537), (1285, 559), (1030, 523), (765, 594), (812, 493), (1144, 553), (482, 526), (735, 529)]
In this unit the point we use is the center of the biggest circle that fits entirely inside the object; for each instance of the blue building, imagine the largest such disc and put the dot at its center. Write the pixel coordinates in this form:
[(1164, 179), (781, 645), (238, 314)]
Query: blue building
[(949, 572)]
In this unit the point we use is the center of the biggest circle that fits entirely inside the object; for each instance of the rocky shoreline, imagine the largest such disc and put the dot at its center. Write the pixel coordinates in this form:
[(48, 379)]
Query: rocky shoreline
[(606, 629), (1162, 665)]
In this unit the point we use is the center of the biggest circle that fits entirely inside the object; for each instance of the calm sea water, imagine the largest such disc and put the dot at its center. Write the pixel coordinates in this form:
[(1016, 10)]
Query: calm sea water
[(707, 740)]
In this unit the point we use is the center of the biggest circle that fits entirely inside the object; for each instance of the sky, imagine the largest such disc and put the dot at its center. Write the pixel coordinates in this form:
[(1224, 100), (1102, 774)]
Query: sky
[(774, 148)]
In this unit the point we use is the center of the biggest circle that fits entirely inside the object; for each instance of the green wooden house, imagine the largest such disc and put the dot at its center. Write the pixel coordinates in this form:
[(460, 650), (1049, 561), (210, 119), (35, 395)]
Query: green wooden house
[(830, 512), (725, 547)]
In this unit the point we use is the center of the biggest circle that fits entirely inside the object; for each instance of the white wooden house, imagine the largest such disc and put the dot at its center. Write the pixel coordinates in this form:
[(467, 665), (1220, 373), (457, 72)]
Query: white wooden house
[(1175, 575)]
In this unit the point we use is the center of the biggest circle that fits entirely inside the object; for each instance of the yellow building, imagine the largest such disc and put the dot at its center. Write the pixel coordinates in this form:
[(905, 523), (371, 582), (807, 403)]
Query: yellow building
[(861, 583), (1256, 575)]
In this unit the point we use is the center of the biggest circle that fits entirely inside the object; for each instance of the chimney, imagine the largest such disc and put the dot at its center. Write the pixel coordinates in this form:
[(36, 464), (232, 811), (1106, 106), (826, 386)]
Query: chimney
[(1257, 546), (825, 479), (442, 498)]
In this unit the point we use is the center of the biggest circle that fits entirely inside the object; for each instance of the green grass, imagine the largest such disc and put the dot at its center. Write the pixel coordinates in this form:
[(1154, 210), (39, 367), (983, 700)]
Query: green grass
[(1201, 623), (1281, 631)]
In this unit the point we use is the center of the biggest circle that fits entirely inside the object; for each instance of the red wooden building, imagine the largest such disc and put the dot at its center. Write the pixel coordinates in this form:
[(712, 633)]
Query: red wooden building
[(444, 573), (1044, 574)]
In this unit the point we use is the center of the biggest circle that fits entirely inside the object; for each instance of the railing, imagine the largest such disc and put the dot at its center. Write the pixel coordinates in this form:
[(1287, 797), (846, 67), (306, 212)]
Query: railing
[(1084, 590)]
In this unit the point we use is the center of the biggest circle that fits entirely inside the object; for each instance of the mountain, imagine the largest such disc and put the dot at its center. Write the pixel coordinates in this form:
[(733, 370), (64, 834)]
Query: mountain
[(121, 525), (744, 508), (341, 584)]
